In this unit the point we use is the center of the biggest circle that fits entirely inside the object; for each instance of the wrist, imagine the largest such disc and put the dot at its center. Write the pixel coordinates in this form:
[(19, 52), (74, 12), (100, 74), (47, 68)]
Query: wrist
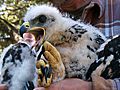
[(74, 84), (89, 85)]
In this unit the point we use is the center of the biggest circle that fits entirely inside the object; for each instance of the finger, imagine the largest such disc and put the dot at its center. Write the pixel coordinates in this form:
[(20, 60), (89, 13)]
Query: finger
[(3, 87), (54, 52), (40, 88)]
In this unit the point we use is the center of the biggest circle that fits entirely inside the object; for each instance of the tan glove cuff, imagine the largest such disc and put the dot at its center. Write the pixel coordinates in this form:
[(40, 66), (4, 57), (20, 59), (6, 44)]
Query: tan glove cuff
[(100, 83)]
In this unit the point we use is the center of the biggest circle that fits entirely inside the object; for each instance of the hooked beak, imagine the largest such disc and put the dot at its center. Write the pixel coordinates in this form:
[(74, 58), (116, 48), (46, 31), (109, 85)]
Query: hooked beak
[(37, 32)]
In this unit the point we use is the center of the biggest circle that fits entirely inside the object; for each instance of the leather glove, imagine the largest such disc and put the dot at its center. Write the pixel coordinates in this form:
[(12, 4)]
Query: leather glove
[(50, 67)]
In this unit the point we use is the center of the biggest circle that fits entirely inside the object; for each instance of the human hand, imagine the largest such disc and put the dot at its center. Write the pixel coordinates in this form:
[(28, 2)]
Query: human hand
[(69, 84), (3, 87)]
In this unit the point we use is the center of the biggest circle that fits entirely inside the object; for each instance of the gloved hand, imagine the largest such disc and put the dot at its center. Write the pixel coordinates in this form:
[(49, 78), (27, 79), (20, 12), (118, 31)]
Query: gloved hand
[(51, 68)]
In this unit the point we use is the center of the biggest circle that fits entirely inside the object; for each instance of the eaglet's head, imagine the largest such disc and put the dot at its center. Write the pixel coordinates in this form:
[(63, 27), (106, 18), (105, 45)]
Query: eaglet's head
[(43, 16)]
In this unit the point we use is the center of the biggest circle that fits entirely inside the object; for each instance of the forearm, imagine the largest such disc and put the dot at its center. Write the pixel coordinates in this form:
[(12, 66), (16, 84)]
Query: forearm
[(74, 84), (69, 84), (98, 83)]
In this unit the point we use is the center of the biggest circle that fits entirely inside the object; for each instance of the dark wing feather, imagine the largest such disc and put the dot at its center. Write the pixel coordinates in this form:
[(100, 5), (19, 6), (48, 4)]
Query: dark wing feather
[(109, 56), (13, 58)]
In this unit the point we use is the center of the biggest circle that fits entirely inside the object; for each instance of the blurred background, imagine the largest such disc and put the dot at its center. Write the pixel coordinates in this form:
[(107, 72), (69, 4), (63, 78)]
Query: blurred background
[(11, 17)]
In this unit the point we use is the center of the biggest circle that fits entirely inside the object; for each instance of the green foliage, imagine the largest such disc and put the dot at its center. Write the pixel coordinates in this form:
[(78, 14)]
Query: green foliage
[(11, 17)]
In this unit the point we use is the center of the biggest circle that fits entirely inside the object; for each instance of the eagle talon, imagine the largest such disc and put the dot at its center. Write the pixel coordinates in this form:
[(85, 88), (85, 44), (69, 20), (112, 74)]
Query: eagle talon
[(44, 72)]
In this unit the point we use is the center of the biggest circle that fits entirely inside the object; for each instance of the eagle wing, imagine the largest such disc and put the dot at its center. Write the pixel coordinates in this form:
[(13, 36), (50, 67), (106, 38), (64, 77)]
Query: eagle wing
[(108, 63), (18, 66)]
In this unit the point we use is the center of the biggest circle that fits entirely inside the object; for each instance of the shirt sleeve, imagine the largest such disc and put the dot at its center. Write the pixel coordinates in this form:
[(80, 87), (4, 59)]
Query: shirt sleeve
[(93, 12), (116, 84)]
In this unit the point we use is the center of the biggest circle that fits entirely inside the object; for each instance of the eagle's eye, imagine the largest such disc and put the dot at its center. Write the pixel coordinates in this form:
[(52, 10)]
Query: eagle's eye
[(42, 18)]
